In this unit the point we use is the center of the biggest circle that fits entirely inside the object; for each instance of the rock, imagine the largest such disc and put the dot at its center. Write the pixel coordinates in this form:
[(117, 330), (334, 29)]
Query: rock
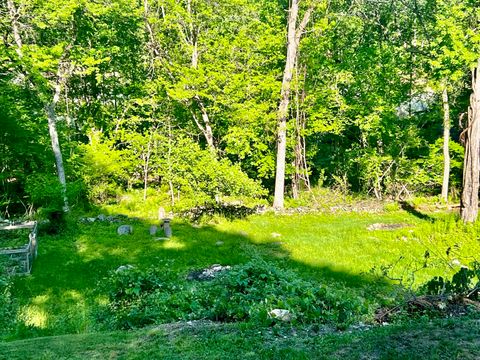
[(124, 268), (276, 235), (281, 314), (153, 230), (219, 243), (101, 217), (112, 219), (208, 273), (125, 230), (91, 220), (167, 228)]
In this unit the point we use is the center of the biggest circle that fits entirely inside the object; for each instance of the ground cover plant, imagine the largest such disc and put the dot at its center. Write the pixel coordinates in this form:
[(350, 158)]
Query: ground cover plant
[(13, 238), (327, 269)]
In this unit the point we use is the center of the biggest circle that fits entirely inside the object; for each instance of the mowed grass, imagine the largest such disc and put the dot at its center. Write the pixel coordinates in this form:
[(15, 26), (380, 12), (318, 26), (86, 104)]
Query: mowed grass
[(440, 339), (61, 294)]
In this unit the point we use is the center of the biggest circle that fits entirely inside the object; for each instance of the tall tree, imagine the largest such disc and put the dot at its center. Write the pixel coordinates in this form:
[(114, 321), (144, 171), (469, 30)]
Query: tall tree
[(56, 83), (446, 141), (471, 169), (294, 34)]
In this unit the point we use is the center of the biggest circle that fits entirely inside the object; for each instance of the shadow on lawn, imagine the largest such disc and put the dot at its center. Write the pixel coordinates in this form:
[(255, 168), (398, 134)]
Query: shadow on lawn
[(411, 210), (63, 289)]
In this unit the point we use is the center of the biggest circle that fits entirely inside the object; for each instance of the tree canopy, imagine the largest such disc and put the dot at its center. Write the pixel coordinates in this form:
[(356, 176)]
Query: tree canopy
[(182, 96)]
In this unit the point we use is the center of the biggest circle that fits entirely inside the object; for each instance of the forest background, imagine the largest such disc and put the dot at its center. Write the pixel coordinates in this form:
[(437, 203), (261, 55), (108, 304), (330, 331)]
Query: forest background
[(187, 101)]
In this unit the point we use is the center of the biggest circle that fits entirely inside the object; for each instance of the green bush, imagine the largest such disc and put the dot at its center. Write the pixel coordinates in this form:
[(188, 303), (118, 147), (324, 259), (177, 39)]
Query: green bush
[(244, 293), (8, 305), (465, 282)]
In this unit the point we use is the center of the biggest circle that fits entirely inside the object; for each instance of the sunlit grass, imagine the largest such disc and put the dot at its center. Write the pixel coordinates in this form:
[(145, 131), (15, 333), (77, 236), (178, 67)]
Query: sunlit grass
[(334, 249)]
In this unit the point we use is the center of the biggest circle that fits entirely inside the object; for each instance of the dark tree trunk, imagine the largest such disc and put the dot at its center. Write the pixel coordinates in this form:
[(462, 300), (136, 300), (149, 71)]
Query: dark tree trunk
[(469, 205)]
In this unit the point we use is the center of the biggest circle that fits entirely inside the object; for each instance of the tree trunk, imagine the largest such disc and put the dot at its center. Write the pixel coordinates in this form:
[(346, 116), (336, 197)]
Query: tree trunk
[(446, 140), (293, 35), (206, 128), (471, 167), (146, 167), (52, 129), (12, 11)]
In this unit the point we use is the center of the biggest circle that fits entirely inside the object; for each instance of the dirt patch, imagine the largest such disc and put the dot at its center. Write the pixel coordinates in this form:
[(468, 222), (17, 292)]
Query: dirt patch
[(380, 226)]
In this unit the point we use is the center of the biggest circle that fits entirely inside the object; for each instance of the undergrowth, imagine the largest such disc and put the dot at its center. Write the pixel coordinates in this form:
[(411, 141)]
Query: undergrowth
[(245, 293)]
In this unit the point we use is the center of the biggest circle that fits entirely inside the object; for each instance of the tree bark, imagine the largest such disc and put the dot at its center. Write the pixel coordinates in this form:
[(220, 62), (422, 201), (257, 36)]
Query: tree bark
[(293, 36), (146, 167), (471, 168), (446, 140)]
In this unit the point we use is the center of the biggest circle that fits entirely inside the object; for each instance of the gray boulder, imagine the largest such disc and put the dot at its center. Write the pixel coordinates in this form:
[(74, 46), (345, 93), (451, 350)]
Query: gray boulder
[(125, 230), (123, 268), (208, 273), (153, 230)]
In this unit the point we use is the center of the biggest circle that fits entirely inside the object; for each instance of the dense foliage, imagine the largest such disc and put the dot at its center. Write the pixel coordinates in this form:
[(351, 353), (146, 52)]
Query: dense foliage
[(182, 95), (245, 293)]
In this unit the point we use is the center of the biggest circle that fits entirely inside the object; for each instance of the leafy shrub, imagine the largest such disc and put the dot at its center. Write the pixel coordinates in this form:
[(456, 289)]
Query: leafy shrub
[(245, 293), (104, 168), (7, 302), (44, 191), (198, 173), (227, 210), (465, 282)]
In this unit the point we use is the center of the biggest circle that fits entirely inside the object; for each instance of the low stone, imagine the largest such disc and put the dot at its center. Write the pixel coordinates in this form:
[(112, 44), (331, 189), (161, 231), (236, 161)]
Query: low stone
[(219, 243), (281, 314), (125, 230), (208, 273), (91, 219), (153, 230), (276, 235), (101, 217), (123, 268)]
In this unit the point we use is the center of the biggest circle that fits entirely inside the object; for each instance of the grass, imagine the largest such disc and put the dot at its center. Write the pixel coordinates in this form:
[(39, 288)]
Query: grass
[(440, 339), (61, 295)]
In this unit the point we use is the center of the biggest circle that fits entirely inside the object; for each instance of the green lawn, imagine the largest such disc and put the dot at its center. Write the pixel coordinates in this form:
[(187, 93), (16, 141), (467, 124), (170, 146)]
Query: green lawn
[(334, 249), (441, 339)]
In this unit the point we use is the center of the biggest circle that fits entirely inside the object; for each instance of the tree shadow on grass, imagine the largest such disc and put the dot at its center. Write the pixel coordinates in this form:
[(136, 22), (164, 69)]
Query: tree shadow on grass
[(411, 210), (59, 295)]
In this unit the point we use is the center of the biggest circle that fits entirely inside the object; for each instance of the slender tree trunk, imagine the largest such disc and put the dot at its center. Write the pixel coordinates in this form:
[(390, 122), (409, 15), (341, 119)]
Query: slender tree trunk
[(471, 167), (12, 11), (293, 36), (446, 140), (206, 128), (52, 129), (146, 165), (49, 107)]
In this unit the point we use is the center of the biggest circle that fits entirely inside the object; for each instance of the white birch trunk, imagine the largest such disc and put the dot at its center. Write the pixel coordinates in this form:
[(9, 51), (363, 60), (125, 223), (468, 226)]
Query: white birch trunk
[(446, 140), (293, 37)]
